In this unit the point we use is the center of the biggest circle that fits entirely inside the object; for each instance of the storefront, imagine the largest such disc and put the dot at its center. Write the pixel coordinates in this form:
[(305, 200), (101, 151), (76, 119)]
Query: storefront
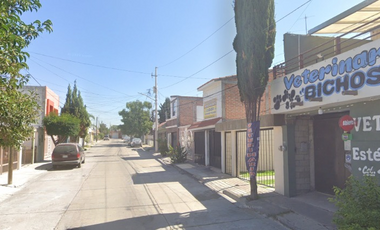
[(319, 102)]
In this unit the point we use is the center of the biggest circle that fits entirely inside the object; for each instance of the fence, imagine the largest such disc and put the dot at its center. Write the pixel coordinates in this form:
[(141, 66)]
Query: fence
[(265, 170), (4, 157)]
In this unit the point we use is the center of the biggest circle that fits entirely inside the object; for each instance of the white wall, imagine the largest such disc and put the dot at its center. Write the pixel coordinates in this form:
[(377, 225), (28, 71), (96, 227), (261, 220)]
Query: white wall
[(212, 92), (278, 158)]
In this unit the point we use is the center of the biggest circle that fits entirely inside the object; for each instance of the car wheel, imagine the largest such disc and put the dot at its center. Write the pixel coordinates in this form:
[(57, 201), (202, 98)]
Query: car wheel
[(84, 160), (80, 165), (55, 166)]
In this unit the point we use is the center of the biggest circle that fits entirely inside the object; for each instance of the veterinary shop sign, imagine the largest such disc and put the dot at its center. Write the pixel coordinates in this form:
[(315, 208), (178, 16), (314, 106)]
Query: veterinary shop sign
[(357, 69)]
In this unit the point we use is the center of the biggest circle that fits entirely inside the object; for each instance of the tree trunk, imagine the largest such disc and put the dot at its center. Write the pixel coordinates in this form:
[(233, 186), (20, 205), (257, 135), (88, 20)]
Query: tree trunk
[(252, 115)]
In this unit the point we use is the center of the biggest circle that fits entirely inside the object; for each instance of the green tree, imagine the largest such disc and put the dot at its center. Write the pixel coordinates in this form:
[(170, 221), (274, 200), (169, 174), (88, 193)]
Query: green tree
[(103, 130), (74, 105), (62, 126), (114, 128), (16, 35), (164, 112), (136, 119), (17, 110), (254, 45)]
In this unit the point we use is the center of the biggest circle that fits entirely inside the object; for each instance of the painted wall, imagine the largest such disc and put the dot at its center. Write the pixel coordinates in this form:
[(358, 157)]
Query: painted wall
[(365, 144)]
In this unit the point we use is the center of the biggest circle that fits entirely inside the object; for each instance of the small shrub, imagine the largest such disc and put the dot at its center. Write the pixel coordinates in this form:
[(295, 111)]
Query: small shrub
[(178, 154), (163, 147), (358, 204)]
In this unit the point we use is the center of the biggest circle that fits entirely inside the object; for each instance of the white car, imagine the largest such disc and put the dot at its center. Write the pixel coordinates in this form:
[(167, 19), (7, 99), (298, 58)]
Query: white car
[(136, 142)]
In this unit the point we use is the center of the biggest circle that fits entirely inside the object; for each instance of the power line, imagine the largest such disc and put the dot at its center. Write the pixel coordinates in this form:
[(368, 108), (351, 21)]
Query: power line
[(84, 78), (89, 64), (292, 11), (198, 44), (198, 70)]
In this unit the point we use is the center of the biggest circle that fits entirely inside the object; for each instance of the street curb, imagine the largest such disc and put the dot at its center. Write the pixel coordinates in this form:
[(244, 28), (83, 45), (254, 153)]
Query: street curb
[(234, 196)]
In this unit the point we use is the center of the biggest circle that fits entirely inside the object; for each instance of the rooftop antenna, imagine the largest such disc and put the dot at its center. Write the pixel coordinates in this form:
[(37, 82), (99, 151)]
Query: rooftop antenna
[(305, 24)]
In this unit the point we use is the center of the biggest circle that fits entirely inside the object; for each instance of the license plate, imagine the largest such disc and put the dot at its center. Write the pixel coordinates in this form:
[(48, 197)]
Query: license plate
[(64, 156)]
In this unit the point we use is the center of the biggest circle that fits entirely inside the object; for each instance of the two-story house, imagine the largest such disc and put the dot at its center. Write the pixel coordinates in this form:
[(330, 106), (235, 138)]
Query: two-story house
[(183, 114), (329, 94), (49, 103)]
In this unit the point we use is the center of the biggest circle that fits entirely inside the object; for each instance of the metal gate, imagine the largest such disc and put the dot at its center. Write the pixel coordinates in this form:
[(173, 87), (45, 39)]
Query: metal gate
[(265, 170), (228, 153), (215, 149), (199, 140)]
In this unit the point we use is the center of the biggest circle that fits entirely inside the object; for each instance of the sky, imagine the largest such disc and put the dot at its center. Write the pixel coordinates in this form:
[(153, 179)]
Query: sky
[(111, 48)]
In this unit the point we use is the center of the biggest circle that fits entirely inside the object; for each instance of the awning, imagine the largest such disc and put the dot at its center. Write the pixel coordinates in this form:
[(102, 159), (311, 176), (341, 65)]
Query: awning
[(361, 14), (206, 124)]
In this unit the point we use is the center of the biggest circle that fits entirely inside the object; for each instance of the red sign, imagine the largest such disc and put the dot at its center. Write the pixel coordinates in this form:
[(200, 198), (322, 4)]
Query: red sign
[(347, 123)]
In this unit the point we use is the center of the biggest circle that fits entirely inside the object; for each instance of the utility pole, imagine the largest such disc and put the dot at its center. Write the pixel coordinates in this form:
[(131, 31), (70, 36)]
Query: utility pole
[(156, 114), (96, 134)]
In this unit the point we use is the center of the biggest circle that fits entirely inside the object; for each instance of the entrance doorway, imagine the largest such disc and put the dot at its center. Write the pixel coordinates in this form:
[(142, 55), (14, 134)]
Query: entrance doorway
[(199, 140), (329, 154), (215, 149)]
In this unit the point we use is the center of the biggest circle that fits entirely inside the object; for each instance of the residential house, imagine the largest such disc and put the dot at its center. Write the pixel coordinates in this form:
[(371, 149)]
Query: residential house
[(183, 114), (223, 116), (328, 90), (49, 103), (220, 138)]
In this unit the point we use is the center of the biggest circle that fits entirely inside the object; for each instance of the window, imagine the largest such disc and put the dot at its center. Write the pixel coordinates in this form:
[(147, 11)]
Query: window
[(174, 108)]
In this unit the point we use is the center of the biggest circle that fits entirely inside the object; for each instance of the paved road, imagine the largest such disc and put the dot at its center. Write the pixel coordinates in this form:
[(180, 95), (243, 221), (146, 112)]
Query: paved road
[(122, 188)]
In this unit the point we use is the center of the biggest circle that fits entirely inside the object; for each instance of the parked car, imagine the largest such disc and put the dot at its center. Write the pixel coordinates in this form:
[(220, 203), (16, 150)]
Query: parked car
[(136, 142), (127, 140), (106, 138), (68, 154)]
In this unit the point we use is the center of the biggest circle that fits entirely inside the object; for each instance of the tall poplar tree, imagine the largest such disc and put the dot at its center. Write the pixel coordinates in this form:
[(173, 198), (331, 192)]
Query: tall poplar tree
[(254, 45), (74, 105)]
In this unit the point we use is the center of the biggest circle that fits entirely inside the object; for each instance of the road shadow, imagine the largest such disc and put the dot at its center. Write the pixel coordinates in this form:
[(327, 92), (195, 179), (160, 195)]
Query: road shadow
[(157, 221), (49, 167)]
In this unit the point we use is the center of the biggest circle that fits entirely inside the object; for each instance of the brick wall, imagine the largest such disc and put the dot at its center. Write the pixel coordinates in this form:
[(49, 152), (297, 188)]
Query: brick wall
[(234, 108), (187, 110)]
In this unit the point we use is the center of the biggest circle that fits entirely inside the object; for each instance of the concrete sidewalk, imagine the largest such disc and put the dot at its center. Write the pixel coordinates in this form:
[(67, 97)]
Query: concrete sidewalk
[(309, 211), (22, 176)]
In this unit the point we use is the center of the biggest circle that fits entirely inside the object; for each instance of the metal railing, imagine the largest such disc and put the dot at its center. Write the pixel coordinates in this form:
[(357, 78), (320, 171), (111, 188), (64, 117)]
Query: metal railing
[(265, 169), (328, 49)]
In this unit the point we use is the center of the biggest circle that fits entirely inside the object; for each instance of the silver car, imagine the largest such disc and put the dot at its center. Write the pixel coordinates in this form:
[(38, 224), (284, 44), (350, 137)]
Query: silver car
[(136, 142)]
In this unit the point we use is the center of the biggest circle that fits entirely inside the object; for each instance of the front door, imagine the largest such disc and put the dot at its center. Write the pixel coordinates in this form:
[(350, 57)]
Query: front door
[(329, 153), (199, 142), (215, 149)]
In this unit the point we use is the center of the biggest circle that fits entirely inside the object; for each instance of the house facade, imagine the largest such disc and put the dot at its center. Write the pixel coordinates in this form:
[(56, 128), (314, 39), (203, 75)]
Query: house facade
[(329, 95), (49, 103), (183, 114), (220, 138)]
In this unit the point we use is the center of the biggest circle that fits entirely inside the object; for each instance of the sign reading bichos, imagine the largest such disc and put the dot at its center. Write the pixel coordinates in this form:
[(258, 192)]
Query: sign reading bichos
[(357, 69)]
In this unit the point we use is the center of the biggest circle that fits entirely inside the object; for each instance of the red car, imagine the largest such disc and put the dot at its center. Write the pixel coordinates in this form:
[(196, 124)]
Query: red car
[(68, 154)]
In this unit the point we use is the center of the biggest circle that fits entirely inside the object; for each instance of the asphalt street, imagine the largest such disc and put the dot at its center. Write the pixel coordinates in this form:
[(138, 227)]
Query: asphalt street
[(120, 187)]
